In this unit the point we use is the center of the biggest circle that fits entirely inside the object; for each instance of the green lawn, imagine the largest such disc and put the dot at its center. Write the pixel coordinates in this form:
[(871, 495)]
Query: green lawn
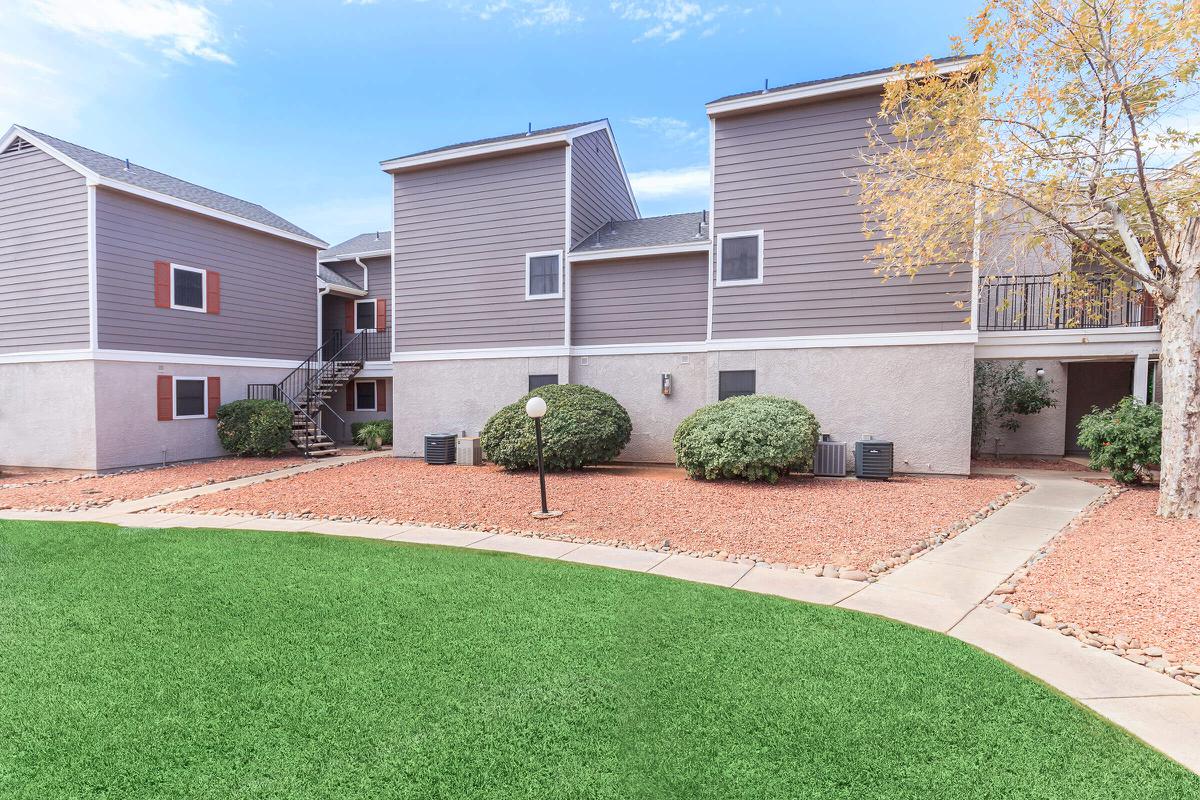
[(142, 663)]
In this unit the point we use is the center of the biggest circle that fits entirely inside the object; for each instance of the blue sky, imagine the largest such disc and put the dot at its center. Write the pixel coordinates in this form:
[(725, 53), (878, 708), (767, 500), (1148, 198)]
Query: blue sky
[(293, 104)]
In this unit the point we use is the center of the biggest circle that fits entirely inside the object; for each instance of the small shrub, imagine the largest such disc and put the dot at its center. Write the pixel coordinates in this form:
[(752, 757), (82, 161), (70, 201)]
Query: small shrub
[(384, 426), (582, 426), (1126, 439), (757, 437), (1003, 394), (371, 434), (254, 427)]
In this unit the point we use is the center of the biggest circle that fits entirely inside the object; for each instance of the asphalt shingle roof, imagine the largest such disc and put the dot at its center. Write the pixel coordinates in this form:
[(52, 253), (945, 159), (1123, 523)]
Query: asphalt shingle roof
[(371, 242), (144, 178), (497, 139), (647, 232), (329, 276), (819, 81)]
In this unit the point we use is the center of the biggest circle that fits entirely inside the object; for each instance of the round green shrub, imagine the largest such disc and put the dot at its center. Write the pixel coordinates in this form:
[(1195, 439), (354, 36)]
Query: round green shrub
[(1126, 439), (757, 437), (582, 426), (254, 427)]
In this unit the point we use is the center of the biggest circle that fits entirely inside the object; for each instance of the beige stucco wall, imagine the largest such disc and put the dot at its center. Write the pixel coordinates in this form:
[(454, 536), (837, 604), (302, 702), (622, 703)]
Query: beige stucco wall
[(128, 432), (1041, 434), (48, 415)]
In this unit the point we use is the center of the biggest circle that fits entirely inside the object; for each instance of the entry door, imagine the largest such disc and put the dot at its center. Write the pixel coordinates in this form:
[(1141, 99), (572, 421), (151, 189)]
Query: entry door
[(1093, 384)]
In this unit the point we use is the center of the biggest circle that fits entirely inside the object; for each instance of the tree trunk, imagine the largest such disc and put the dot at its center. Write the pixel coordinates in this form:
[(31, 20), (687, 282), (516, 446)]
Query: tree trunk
[(1180, 363)]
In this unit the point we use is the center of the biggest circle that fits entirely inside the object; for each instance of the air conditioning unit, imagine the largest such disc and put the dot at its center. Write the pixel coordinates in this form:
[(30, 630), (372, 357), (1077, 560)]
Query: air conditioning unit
[(873, 459), (830, 458), (439, 448), (468, 452)]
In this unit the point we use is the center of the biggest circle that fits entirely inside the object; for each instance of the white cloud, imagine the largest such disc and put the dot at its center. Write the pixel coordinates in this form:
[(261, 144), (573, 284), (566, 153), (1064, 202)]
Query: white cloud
[(669, 20), (675, 131), (524, 13), (177, 28), (21, 62), (660, 184)]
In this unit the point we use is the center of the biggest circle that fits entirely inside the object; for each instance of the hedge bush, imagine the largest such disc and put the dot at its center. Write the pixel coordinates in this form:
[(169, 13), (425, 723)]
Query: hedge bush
[(582, 426), (757, 437), (385, 425), (254, 427), (1126, 439)]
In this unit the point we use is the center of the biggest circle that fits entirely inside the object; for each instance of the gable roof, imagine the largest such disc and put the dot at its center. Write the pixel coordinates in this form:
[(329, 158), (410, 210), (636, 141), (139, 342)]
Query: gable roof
[(338, 280), (116, 173), (822, 86), (669, 233), (494, 144), (376, 243)]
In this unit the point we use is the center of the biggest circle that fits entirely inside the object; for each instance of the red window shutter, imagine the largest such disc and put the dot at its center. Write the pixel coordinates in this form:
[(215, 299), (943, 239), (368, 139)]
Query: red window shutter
[(162, 284), (381, 315), (214, 395), (380, 393), (349, 306), (350, 392), (212, 292), (165, 398)]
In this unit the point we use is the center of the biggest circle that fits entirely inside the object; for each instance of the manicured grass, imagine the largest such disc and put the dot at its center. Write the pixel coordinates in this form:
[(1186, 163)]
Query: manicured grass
[(142, 663)]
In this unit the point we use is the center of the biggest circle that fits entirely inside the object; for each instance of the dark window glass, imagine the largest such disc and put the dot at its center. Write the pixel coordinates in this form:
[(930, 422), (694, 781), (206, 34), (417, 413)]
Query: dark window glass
[(364, 316), (189, 288), (541, 380), (543, 275), (364, 395), (735, 383), (189, 398), (739, 258)]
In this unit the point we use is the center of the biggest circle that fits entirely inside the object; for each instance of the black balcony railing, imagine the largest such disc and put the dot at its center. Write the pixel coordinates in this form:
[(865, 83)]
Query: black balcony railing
[(1043, 302)]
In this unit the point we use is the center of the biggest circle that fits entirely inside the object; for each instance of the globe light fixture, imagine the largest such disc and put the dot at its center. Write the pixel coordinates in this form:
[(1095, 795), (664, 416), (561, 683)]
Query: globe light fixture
[(535, 407)]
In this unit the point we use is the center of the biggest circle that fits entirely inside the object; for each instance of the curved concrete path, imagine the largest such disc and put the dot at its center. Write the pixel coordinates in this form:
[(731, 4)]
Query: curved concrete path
[(941, 590)]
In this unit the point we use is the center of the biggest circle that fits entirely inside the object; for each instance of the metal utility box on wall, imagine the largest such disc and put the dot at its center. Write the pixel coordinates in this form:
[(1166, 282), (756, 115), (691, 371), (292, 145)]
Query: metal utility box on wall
[(439, 448), (468, 452), (873, 459), (830, 459)]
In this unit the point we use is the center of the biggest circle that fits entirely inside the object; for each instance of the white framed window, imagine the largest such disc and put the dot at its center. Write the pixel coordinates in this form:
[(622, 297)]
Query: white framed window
[(364, 396), (740, 258), (189, 398), (189, 288), (364, 315), (543, 275)]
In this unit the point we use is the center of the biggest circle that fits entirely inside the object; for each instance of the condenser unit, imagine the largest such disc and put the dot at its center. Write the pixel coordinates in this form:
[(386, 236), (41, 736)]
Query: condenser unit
[(439, 448), (873, 459), (830, 458), (468, 452)]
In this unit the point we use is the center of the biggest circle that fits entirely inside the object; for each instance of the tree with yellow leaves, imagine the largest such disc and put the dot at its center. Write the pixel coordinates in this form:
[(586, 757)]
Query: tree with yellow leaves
[(1069, 132)]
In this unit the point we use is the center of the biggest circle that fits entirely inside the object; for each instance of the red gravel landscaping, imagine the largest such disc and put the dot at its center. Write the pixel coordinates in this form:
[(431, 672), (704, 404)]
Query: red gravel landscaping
[(1125, 571), (104, 489), (1029, 462), (799, 521)]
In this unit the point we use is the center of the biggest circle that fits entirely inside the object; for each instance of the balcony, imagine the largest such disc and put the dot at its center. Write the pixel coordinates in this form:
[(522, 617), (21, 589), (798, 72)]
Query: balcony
[(1041, 303), (370, 345)]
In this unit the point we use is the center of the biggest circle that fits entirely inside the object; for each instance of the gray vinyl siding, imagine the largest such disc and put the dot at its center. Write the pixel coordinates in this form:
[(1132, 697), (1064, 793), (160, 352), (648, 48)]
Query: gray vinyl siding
[(43, 254), (635, 300), (598, 191), (462, 232), (379, 276), (268, 284), (785, 171)]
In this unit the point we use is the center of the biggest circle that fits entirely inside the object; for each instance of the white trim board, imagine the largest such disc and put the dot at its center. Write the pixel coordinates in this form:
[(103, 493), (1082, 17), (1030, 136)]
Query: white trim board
[(755, 281), (1068, 344), (203, 273), (545, 254), (527, 142), (824, 88), (352, 256), (95, 179), (716, 345), (145, 357), (175, 379), (640, 252)]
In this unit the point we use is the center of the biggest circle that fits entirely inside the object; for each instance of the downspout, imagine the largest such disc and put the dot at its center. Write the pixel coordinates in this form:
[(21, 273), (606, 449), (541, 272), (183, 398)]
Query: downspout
[(321, 314), (358, 260)]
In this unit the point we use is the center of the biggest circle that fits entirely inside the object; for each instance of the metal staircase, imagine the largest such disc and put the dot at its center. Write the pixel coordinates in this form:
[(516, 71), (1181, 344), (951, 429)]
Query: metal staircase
[(307, 389)]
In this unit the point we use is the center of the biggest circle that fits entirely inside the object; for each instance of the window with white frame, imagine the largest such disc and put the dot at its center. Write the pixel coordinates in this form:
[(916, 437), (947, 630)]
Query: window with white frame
[(543, 275), (364, 396), (190, 398), (189, 288), (739, 258), (364, 315)]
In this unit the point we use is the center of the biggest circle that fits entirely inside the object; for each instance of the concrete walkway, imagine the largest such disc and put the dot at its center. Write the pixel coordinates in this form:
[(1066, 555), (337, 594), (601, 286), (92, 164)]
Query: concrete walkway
[(942, 590)]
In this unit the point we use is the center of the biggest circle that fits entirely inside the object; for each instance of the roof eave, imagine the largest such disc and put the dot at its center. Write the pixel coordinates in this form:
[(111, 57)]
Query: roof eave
[(823, 89), (466, 152), (95, 179), (640, 252), (352, 256)]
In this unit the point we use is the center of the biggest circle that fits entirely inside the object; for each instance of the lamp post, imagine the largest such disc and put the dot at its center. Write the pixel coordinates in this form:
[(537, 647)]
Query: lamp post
[(536, 409)]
